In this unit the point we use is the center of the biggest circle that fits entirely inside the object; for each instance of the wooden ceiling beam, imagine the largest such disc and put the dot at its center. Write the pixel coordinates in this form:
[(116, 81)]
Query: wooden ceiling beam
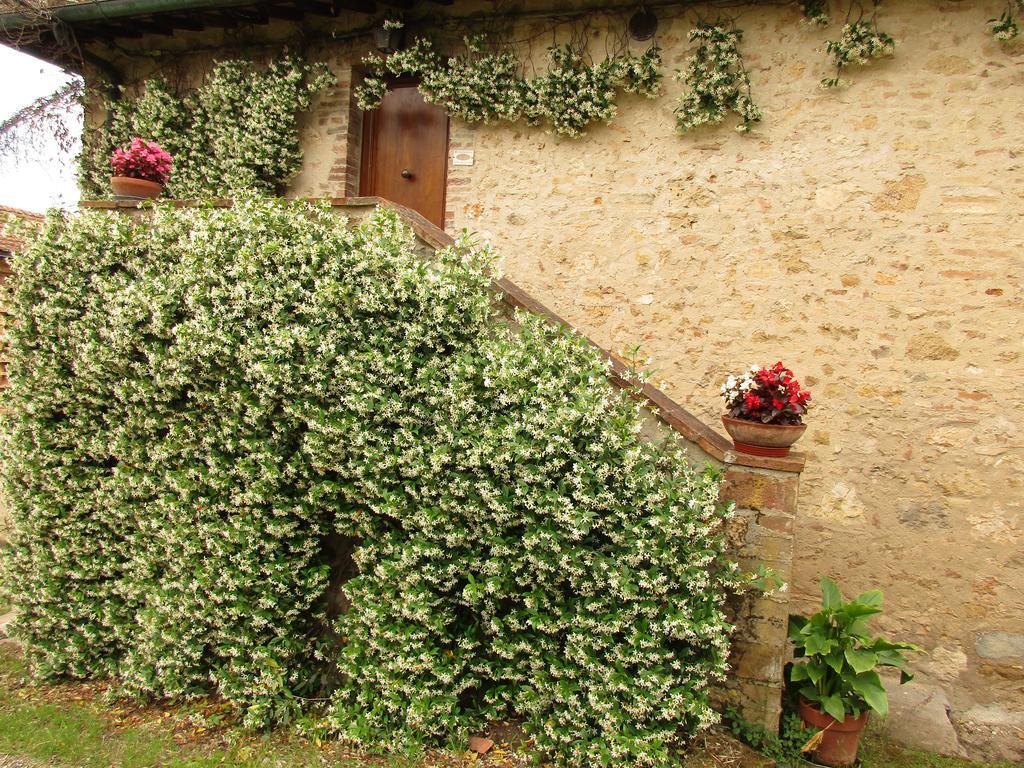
[(289, 13), (359, 6), (189, 22)]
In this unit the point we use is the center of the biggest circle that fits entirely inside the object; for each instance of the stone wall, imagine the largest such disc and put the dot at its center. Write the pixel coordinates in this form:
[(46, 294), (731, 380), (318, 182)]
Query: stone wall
[(870, 237)]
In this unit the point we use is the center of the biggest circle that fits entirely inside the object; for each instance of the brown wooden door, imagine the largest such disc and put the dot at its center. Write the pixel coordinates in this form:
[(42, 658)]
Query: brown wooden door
[(405, 152)]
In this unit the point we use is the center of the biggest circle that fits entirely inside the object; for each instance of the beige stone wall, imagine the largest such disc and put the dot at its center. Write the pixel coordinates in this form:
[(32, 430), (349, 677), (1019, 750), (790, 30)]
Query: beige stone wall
[(870, 237)]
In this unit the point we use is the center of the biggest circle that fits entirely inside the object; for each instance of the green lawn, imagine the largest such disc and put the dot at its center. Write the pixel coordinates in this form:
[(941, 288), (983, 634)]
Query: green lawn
[(71, 725)]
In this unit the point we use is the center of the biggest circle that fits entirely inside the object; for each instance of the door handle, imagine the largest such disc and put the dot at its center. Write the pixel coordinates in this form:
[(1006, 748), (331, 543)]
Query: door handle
[(406, 173)]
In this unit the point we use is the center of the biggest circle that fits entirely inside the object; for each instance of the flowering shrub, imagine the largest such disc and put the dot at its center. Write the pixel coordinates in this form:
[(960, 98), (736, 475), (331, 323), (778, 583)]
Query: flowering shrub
[(201, 403), (860, 43), (716, 81), (478, 85), (142, 160), (237, 131), (768, 395)]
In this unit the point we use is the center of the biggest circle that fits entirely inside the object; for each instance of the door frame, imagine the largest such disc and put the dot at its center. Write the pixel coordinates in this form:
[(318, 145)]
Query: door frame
[(369, 148)]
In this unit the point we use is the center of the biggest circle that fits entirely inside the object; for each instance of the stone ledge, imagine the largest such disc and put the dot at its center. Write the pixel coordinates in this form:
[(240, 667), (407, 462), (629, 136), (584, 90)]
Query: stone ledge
[(665, 408)]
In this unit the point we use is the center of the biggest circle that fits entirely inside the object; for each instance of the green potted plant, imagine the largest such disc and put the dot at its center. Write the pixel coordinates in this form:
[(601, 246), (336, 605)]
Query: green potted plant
[(836, 670)]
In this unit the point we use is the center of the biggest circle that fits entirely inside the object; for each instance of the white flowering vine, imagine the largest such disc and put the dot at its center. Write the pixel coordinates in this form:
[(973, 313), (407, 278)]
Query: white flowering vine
[(237, 131), (860, 43), (1007, 26), (816, 12), (715, 81), (203, 402), (482, 84)]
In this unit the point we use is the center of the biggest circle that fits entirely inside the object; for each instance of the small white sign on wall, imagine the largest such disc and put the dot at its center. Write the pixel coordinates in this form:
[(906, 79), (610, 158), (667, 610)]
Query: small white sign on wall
[(462, 157)]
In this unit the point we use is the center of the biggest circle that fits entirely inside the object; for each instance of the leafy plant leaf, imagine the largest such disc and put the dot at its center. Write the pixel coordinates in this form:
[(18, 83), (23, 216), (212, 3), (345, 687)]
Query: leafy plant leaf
[(869, 686), (832, 598)]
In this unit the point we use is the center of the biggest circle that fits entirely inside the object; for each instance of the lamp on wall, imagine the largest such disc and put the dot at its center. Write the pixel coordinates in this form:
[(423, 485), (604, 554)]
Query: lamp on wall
[(387, 38), (643, 24)]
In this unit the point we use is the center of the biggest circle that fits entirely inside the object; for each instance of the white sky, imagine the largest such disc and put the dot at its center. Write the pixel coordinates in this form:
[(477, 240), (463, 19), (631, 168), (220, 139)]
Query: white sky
[(49, 180)]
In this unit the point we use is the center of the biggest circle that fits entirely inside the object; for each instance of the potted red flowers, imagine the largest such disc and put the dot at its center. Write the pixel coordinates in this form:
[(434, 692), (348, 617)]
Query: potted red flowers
[(764, 410), (140, 170)]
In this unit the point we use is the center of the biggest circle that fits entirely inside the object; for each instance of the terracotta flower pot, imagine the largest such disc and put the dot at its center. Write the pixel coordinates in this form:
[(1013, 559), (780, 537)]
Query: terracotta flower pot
[(839, 740), (125, 186), (762, 439)]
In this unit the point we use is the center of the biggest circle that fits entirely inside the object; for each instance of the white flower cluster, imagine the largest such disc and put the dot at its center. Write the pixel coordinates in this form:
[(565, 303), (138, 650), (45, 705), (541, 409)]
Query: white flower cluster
[(815, 12), (202, 402), (716, 81), (1007, 26), (859, 43), (238, 131), (478, 85), (735, 387)]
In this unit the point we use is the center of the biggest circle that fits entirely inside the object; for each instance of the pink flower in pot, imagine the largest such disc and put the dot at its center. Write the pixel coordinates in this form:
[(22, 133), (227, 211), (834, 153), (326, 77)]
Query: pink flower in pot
[(140, 170)]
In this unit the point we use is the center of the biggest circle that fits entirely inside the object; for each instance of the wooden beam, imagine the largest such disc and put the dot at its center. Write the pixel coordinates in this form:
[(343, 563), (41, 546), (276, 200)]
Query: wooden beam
[(318, 7), (190, 22), (359, 6), (257, 15), (289, 13)]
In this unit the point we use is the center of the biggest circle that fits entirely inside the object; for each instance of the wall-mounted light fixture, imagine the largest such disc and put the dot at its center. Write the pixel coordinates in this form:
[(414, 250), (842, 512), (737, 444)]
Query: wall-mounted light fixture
[(387, 38), (643, 24)]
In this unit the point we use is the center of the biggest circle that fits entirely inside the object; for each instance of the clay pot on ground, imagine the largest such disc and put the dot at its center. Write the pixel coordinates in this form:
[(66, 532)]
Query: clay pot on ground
[(839, 740), (125, 186), (759, 439)]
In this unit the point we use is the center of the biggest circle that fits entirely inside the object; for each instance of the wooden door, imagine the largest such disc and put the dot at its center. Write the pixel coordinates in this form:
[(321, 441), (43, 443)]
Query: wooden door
[(405, 152)]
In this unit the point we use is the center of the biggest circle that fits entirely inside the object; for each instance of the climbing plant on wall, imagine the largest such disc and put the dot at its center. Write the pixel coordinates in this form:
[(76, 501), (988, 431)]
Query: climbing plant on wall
[(482, 84), (860, 43), (237, 131), (715, 80), (1007, 26), (201, 402)]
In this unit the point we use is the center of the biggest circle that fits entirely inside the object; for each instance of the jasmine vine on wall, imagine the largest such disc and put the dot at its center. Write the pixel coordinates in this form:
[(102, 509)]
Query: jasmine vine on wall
[(860, 43), (816, 12), (237, 131), (483, 84), (1007, 26), (716, 80)]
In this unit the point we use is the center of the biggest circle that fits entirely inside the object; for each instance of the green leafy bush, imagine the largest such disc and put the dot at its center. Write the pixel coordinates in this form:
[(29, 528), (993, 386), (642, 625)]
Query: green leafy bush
[(238, 131), (203, 401)]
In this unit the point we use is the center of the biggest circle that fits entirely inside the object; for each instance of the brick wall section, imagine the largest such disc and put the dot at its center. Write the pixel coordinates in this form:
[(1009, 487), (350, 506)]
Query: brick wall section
[(766, 505)]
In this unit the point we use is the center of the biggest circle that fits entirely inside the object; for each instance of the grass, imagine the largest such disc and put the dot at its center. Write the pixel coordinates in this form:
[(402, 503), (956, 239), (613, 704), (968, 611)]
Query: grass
[(877, 752), (69, 725)]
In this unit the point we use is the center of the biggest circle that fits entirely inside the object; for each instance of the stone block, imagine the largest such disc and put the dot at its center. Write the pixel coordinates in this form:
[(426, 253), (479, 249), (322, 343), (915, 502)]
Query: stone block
[(757, 491), (1000, 645), (919, 718), (757, 661)]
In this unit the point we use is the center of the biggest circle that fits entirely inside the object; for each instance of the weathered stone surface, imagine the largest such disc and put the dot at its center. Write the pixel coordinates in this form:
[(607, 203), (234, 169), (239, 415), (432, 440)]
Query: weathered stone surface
[(919, 717), (991, 733), (930, 346), (758, 491), (1000, 645)]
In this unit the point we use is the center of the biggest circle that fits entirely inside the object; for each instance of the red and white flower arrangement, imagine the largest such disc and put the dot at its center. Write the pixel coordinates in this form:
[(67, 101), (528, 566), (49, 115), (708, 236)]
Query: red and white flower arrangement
[(765, 395), (142, 159)]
